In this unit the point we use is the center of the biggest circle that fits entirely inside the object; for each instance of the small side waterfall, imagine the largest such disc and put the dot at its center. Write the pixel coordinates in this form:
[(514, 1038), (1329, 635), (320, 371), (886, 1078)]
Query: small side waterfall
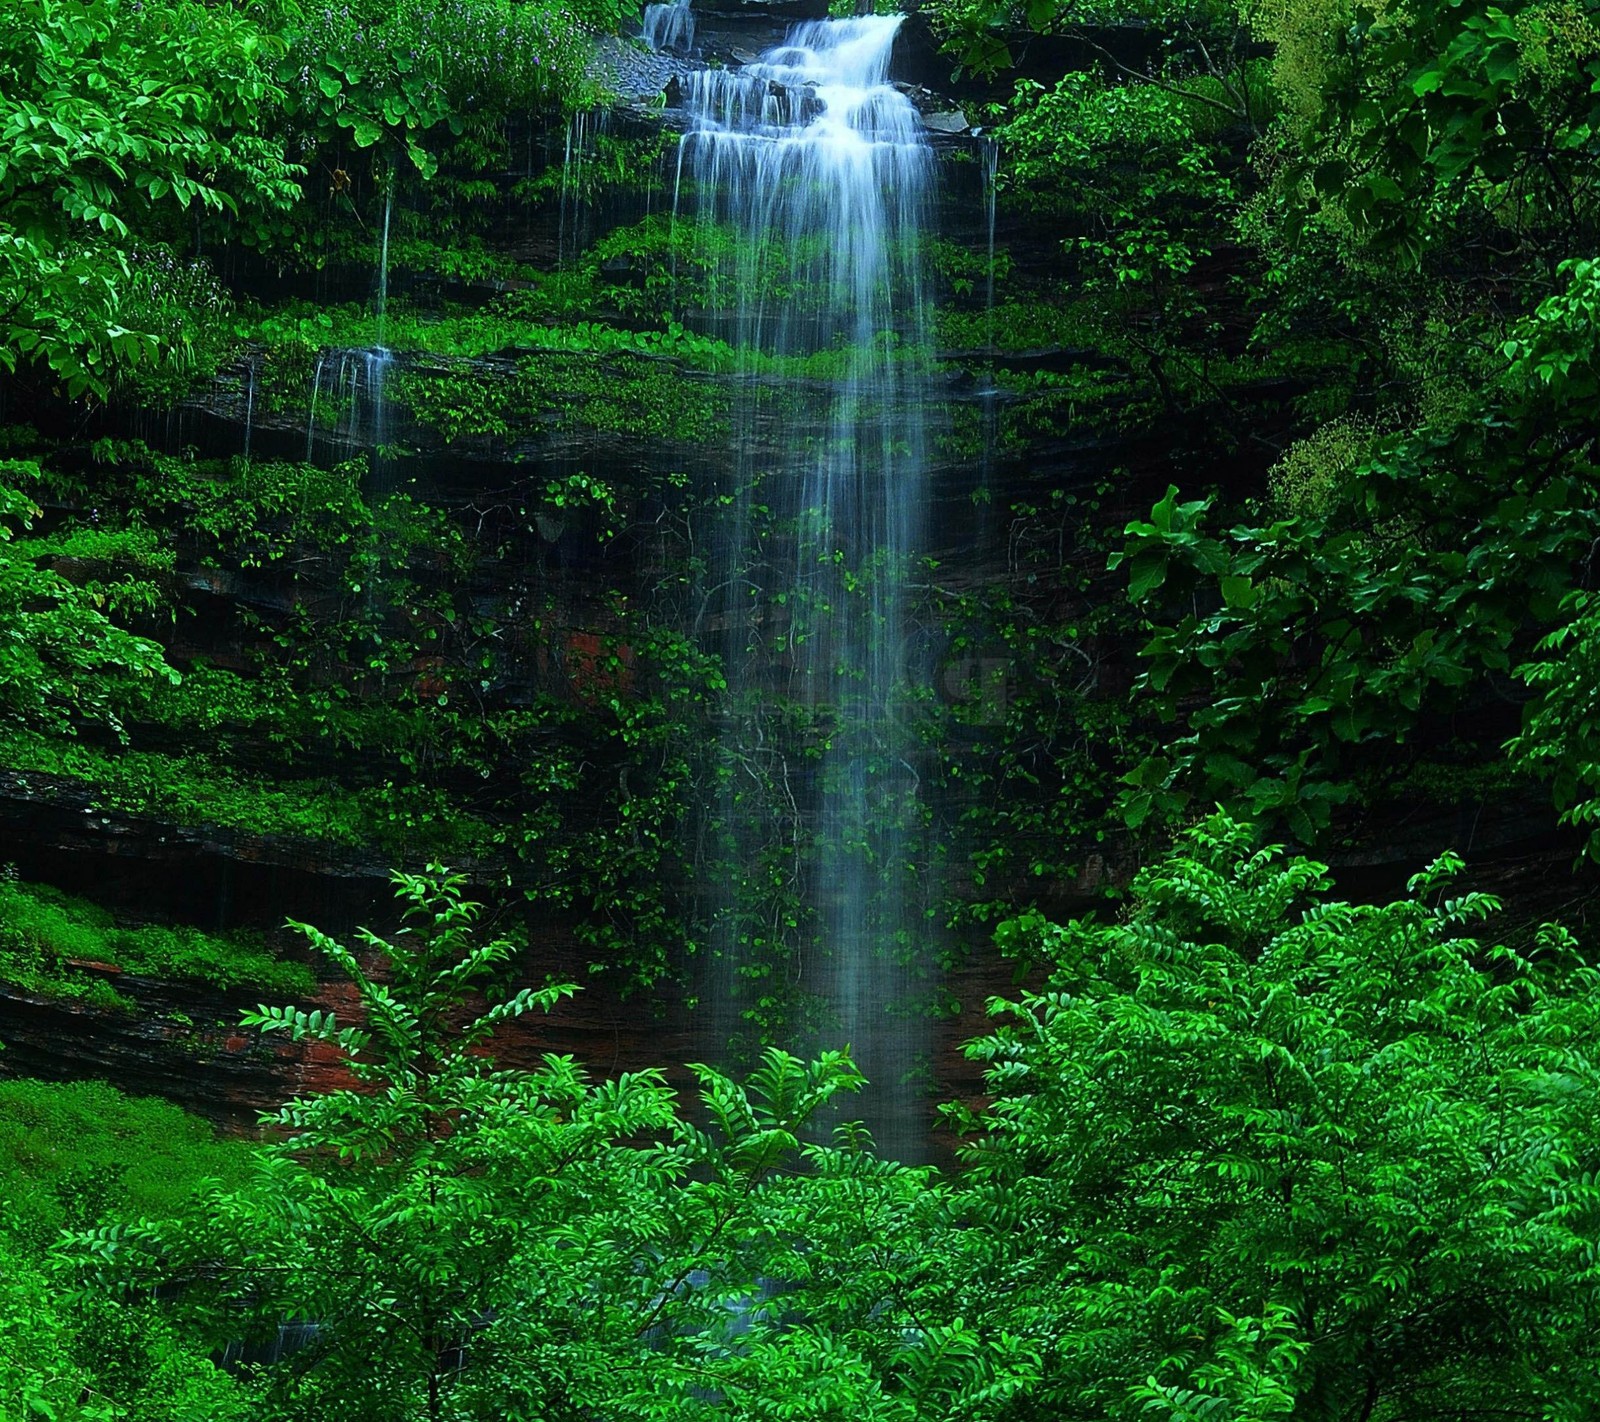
[(670, 27), (311, 419), (249, 407), (990, 156), (585, 131), (347, 388), (809, 175), (382, 307), (375, 373)]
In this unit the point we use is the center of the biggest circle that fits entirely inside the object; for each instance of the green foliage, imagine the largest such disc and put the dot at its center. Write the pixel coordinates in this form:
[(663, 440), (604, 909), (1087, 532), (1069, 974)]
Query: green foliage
[(78, 1155), (181, 303), (114, 114), (375, 701), (386, 74), (198, 790), (1030, 744), (1126, 157), (514, 1238), (619, 395), (66, 1362), (1560, 736), (1324, 631), (1432, 120), (1247, 1152), (1253, 1152), (132, 129), (536, 320), (62, 658)]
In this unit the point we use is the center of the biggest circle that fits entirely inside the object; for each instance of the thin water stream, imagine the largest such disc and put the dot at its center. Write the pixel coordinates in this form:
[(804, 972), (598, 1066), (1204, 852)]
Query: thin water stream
[(348, 391)]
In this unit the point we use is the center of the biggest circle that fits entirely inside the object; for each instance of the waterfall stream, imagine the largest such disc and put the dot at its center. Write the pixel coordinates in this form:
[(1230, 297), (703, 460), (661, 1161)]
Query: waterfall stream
[(249, 406), (990, 157), (382, 305), (808, 176), (669, 27), (349, 386)]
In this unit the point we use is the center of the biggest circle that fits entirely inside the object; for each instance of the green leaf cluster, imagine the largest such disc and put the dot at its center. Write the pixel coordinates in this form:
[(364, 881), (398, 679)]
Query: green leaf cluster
[(1329, 629), (1255, 1152)]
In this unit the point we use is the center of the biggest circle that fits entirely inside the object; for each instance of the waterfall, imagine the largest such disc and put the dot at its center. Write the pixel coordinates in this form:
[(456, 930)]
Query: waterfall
[(378, 360), (353, 383), (249, 407), (808, 175), (669, 27), (989, 155), (585, 131), (375, 373), (990, 152), (383, 262), (311, 421)]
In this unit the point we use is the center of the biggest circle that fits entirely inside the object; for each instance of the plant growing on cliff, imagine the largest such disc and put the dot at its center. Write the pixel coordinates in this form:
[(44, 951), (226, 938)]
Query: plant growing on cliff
[(65, 658)]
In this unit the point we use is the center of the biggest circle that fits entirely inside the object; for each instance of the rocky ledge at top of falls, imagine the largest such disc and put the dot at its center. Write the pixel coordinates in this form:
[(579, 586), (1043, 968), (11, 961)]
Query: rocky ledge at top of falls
[(646, 80)]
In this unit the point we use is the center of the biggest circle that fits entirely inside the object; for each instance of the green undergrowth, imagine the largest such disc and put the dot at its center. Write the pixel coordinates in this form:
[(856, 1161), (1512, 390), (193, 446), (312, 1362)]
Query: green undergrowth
[(35, 974), (291, 337), (1019, 323), (45, 932), (249, 514), (1462, 774), (465, 258), (1121, 386), (75, 1153)]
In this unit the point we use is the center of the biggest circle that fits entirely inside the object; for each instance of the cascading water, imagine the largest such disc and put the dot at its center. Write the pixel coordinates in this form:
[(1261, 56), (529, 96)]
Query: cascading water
[(311, 419), (670, 27), (585, 130), (990, 157), (809, 176), (382, 305), (348, 389), (249, 406)]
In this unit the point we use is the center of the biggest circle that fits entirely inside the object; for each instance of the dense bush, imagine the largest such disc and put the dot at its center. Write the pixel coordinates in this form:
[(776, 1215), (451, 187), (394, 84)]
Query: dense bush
[(1255, 1152), (1249, 1152)]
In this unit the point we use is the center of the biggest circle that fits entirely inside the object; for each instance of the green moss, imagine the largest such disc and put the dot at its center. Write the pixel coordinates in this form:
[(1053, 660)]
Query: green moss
[(77, 1155), (397, 820), (289, 338), (463, 258), (43, 931), (618, 394), (1022, 323)]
